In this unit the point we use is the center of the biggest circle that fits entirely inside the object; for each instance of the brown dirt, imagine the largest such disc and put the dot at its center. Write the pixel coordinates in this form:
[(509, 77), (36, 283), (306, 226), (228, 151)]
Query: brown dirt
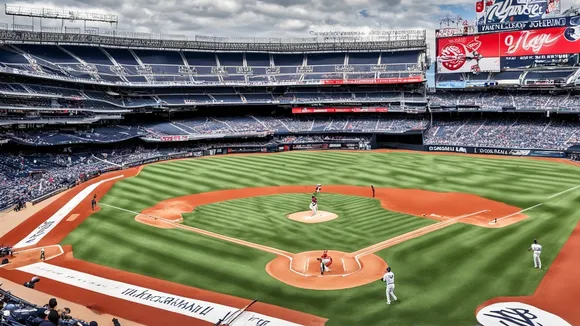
[(306, 217), (428, 204), (345, 270), (448, 208), (133, 311), (72, 217), (560, 286), (27, 256)]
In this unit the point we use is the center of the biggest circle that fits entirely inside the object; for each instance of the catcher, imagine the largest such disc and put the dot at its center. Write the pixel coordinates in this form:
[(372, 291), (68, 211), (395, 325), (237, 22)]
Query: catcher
[(325, 262)]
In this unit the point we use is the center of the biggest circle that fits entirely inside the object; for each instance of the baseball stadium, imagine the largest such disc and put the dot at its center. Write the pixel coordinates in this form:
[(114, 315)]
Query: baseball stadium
[(152, 179)]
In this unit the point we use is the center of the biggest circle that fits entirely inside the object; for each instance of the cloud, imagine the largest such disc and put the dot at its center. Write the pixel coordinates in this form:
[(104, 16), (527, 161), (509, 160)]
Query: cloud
[(265, 18)]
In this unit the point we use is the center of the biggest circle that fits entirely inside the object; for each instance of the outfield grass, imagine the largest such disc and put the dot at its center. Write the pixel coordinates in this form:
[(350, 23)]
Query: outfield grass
[(441, 277)]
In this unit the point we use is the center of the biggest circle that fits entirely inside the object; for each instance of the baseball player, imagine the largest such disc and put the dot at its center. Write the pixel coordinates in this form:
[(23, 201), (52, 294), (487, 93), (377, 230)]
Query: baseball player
[(373, 189), (389, 279), (314, 206), (94, 202), (537, 249), (325, 262), (318, 188), (42, 254)]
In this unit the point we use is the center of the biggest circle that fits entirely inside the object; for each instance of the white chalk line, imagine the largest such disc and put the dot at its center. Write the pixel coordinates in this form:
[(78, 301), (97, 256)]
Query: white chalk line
[(215, 235), (343, 265), (565, 191), (537, 205), (412, 234)]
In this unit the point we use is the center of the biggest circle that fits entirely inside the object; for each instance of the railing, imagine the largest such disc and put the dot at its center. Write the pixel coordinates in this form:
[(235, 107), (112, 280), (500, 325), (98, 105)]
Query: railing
[(385, 40)]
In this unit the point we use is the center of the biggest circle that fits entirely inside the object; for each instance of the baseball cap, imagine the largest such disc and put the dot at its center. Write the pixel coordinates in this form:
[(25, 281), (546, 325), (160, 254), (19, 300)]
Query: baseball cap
[(93, 323)]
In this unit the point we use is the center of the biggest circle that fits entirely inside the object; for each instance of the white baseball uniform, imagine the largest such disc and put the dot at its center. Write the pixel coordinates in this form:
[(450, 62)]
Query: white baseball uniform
[(537, 249), (314, 207), (389, 278), (325, 261)]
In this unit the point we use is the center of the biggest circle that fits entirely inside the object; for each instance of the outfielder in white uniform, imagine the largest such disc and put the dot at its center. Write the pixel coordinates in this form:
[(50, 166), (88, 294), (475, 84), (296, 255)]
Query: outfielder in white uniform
[(537, 249), (389, 279)]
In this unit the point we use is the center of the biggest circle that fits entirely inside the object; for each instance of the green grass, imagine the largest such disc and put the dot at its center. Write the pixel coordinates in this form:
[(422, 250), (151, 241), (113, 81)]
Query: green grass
[(441, 277), (362, 222)]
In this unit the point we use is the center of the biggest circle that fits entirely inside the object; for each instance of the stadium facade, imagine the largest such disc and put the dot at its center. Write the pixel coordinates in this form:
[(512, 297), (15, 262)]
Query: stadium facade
[(96, 100)]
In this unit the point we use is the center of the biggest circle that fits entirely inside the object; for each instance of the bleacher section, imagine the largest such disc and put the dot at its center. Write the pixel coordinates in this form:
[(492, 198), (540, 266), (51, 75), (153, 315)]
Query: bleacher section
[(121, 66)]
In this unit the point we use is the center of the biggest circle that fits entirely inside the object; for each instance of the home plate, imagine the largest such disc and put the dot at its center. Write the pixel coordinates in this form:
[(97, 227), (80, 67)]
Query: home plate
[(306, 217)]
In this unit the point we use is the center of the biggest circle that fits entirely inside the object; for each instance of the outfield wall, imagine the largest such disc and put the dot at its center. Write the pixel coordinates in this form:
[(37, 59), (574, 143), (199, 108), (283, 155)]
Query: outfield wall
[(320, 145)]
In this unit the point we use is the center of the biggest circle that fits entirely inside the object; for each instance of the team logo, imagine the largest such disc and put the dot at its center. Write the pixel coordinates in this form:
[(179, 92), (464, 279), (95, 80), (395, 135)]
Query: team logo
[(517, 314), (453, 56), (572, 34), (574, 21)]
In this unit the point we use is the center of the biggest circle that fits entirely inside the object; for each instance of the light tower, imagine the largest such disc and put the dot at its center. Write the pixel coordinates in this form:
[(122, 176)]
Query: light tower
[(59, 14)]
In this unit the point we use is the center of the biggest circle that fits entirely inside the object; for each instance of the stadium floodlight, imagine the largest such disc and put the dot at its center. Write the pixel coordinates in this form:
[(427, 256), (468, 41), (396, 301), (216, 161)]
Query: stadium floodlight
[(50, 13)]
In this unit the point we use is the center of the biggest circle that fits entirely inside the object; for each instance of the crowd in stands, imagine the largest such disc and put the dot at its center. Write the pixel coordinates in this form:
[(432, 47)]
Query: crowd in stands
[(18, 312), (32, 176), (508, 132), (496, 100)]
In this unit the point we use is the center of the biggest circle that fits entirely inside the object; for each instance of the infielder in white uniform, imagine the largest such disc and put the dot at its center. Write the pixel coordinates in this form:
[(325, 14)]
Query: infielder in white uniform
[(537, 249), (389, 279)]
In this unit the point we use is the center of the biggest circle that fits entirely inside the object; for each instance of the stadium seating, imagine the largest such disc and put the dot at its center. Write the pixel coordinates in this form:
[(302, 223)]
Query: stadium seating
[(120, 66)]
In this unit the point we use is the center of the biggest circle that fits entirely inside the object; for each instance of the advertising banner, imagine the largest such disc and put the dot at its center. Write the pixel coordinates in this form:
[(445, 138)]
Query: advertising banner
[(495, 151), (530, 24), (302, 110), (539, 60), (450, 84), (485, 52), (395, 80), (501, 11), (468, 54)]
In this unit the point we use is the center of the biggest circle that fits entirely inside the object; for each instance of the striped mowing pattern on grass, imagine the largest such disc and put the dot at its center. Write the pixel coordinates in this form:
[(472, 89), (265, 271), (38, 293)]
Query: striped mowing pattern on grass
[(362, 222), (441, 277)]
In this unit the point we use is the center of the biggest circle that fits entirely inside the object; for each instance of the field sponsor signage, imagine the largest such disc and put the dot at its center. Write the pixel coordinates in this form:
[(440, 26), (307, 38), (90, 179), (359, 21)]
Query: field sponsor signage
[(457, 149), (394, 80), (246, 149), (476, 53), (43, 229), (495, 151), (530, 24), (306, 110), (517, 314), (201, 310), (501, 11)]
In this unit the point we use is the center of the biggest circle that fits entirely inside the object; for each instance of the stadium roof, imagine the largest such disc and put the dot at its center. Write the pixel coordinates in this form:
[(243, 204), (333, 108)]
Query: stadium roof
[(382, 41)]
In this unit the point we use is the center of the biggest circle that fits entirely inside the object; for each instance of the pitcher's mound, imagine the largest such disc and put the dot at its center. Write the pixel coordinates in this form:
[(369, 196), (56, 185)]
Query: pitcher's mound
[(306, 217)]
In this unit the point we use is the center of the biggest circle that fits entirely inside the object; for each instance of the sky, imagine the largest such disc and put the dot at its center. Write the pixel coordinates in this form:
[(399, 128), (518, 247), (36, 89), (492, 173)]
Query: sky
[(265, 18)]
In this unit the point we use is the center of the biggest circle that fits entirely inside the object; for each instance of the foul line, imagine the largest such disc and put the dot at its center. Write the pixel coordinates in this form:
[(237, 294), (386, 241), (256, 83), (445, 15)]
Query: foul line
[(563, 192), (216, 235), (537, 205), (411, 235)]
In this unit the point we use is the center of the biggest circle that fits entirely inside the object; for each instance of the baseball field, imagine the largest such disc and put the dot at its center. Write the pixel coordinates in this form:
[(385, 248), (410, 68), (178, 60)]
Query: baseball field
[(454, 229)]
